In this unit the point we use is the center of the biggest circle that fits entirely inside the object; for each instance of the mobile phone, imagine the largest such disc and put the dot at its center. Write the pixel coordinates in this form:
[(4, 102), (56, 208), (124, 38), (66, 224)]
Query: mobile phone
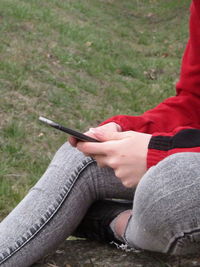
[(77, 135)]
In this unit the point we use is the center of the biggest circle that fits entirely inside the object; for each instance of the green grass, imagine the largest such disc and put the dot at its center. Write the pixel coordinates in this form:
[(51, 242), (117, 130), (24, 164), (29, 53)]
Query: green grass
[(78, 62)]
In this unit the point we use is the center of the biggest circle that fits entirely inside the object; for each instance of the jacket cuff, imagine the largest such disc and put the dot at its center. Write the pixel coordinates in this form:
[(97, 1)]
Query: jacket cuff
[(160, 143)]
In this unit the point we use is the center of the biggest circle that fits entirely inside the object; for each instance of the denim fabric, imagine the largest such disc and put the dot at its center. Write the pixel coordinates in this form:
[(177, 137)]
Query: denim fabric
[(166, 207), (55, 206), (166, 214)]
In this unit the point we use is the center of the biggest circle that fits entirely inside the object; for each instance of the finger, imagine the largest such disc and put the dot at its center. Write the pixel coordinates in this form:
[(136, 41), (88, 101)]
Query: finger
[(111, 126), (127, 184), (92, 148), (73, 141), (101, 160), (90, 133), (126, 178), (103, 136)]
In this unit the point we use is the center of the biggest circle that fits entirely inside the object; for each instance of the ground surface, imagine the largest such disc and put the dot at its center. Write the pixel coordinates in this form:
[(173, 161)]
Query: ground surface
[(78, 253)]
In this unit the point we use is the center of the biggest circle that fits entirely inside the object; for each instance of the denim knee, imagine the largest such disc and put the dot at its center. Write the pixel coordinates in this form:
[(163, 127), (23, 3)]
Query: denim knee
[(166, 206)]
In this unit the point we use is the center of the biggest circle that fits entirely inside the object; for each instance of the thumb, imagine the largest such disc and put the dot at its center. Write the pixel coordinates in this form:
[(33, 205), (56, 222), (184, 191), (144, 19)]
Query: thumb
[(106, 135)]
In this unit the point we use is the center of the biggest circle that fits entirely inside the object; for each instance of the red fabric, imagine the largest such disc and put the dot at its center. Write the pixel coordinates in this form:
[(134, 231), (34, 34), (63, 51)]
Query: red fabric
[(154, 156), (175, 131), (180, 110)]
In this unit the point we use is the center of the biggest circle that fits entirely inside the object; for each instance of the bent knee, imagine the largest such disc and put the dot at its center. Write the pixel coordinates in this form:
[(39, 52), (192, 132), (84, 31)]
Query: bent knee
[(166, 204), (166, 182)]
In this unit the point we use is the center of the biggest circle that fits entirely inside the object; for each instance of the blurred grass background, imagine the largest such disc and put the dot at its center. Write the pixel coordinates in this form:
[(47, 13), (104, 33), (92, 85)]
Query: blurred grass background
[(78, 63)]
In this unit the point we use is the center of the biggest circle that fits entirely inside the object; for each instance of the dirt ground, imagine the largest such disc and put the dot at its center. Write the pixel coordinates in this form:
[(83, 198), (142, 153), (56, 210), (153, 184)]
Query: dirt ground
[(77, 253)]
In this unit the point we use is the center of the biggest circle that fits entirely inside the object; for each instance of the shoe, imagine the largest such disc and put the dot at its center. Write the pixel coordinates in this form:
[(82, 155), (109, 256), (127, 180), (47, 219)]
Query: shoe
[(96, 223)]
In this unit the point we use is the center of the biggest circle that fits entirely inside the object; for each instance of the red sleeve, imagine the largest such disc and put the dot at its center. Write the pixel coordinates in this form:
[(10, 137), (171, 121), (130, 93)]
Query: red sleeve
[(184, 108), (162, 145)]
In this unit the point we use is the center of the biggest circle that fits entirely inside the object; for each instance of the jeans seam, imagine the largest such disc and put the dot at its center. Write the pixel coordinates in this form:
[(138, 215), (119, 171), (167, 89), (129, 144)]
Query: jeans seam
[(173, 241), (63, 198)]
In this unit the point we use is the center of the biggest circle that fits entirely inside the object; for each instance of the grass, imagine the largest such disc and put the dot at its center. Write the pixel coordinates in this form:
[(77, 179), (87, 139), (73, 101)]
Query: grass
[(78, 62)]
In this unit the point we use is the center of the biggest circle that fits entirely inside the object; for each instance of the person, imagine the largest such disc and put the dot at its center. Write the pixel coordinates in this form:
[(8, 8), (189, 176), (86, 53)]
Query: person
[(139, 186)]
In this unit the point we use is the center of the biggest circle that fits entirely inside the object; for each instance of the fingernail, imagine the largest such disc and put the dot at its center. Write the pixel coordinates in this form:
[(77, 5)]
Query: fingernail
[(92, 130)]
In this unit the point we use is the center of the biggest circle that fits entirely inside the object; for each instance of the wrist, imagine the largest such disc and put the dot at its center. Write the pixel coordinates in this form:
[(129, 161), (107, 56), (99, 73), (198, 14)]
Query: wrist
[(145, 141)]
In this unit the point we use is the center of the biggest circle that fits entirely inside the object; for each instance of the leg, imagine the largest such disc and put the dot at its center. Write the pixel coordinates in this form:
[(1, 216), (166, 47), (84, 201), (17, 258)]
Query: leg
[(166, 213), (55, 206)]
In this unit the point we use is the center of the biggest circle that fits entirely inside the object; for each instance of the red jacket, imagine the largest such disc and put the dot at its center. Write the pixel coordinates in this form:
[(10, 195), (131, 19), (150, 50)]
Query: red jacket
[(169, 120)]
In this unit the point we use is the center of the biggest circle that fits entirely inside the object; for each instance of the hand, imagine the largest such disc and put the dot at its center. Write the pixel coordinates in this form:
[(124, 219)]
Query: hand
[(109, 127), (124, 152)]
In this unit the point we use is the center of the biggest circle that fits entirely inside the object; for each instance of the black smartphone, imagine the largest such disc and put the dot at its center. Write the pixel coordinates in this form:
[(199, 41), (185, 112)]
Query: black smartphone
[(77, 135)]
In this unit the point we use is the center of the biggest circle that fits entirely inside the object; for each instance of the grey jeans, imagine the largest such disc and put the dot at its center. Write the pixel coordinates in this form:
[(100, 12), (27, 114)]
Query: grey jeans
[(166, 207)]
